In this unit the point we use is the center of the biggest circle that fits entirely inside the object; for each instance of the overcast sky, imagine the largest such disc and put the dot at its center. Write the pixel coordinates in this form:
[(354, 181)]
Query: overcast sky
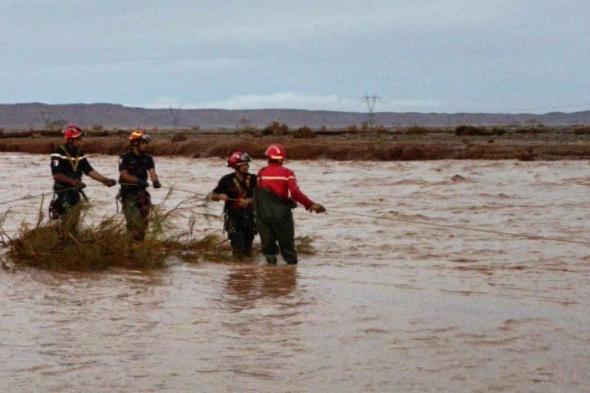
[(417, 55)]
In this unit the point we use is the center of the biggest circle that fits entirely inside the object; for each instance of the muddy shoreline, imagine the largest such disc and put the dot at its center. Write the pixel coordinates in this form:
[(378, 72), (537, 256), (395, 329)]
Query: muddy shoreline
[(384, 146)]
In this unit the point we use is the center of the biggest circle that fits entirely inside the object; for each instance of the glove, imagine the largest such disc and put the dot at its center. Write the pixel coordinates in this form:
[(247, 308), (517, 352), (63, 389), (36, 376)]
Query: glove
[(79, 185), (109, 182), (156, 184), (142, 183), (317, 208)]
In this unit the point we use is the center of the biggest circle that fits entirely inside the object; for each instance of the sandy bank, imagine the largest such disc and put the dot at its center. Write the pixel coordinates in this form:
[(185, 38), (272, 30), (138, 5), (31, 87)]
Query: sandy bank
[(381, 147)]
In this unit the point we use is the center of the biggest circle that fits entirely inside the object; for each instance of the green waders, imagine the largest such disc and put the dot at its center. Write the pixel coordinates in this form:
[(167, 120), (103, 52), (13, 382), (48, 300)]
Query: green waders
[(274, 221), (67, 207), (136, 208)]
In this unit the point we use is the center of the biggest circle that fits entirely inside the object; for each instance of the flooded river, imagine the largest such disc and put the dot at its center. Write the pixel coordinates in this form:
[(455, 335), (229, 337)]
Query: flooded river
[(383, 305)]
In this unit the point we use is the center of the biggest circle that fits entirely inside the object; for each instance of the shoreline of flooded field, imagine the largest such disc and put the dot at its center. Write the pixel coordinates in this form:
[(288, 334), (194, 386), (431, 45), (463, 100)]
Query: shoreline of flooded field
[(382, 304)]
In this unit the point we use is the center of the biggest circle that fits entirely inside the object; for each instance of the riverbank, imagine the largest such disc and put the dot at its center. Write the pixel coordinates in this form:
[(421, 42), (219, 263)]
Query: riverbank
[(420, 144)]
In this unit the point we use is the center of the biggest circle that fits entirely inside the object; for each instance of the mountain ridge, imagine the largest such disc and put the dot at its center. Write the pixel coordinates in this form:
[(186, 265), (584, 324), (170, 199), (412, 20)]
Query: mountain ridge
[(38, 115)]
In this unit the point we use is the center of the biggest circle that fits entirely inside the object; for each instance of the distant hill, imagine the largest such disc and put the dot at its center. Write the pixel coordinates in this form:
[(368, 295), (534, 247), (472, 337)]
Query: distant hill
[(37, 115)]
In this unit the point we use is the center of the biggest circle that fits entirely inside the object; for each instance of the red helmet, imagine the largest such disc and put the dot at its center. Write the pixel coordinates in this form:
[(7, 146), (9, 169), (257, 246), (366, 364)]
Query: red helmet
[(276, 152), (238, 158), (72, 132)]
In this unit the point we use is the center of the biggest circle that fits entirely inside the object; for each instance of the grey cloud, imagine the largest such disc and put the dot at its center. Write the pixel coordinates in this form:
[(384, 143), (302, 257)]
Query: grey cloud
[(470, 55)]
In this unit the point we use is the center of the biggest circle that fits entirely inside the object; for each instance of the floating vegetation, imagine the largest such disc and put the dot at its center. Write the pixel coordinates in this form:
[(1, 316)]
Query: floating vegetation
[(304, 245), (63, 245)]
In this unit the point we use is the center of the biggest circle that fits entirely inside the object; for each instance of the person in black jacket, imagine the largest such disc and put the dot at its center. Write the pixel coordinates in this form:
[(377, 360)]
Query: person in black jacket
[(237, 190), (134, 168), (68, 165)]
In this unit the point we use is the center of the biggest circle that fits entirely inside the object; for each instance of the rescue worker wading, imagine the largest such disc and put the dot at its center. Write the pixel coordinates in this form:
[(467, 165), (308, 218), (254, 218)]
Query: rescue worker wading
[(237, 190), (274, 198), (68, 164), (134, 167)]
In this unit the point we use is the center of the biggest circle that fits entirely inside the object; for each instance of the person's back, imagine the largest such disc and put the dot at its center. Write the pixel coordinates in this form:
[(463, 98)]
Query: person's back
[(281, 181), (275, 197)]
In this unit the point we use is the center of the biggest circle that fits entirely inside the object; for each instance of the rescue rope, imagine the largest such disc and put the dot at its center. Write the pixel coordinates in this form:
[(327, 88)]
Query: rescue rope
[(24, 198), (43, 194), (392, 219), (466, 228)]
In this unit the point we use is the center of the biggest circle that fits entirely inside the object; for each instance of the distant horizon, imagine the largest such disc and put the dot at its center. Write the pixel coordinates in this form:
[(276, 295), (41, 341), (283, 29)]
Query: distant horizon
[(27, 115), (296, 109)]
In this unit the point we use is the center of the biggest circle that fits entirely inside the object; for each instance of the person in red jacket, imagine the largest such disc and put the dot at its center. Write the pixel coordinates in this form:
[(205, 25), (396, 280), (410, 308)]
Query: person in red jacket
[(276, 195)]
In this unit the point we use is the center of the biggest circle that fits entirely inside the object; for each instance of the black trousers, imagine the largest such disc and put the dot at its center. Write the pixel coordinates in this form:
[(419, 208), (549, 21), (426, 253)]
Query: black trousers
[(241, 230)]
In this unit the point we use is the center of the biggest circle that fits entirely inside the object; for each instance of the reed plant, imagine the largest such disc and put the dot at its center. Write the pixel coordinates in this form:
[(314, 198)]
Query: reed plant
[(62, 245)]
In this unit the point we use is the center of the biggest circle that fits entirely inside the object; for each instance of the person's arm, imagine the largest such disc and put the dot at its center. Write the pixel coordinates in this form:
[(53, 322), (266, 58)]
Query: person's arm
[(296, 193), (126, 178), (60, 177), (154, 178), (219, 193), (89, 170), (104, 180), (219, 197), (300, 197)]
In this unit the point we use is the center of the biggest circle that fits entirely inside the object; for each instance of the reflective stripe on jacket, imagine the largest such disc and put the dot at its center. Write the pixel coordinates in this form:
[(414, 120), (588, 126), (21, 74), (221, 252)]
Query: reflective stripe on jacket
[(281, 182)]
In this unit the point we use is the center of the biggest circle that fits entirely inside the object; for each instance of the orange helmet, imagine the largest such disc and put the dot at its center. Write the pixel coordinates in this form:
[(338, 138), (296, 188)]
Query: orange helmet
[(72, 132), (139, 135), (276, 152), (238, 158)]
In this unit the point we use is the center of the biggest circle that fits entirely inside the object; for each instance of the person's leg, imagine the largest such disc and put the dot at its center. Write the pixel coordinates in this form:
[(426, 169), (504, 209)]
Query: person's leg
[(249, 234), (285, 229), (71, 208), (144, 203), (237, 242), (133, 218), (268, 243)]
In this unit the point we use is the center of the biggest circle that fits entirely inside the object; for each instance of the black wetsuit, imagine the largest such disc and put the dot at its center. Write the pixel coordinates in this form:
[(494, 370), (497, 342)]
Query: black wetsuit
[(239, 220), (135, 198), (72, 163)]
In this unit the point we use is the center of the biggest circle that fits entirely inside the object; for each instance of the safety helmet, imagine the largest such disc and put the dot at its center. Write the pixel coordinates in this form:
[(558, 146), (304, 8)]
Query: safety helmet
[(276, 152), (238, 158), (72, 132), (139, 135)]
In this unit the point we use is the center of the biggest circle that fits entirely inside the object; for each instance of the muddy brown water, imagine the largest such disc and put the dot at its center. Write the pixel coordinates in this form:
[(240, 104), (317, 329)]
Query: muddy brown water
[(382, 305)]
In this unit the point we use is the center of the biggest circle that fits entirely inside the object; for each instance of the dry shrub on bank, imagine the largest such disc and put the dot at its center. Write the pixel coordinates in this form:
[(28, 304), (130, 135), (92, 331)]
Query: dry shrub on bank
[(179, 137), (414, 130), (276, 129), (304, 133), (473, 131)]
